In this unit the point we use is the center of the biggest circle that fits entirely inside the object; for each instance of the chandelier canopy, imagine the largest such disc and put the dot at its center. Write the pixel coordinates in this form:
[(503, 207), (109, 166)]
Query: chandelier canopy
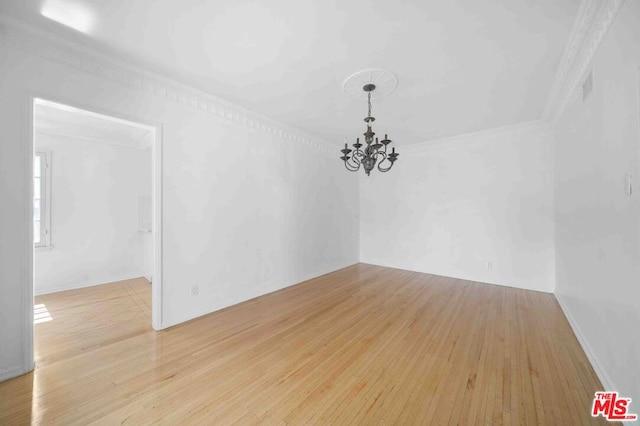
[(373, 153)]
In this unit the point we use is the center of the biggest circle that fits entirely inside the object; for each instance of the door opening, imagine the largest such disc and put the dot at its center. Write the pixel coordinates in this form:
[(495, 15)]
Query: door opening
[(96, 228)]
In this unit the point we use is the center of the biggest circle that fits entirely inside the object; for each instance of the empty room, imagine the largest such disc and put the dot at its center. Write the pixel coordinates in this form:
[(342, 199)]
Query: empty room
[(305, 212)]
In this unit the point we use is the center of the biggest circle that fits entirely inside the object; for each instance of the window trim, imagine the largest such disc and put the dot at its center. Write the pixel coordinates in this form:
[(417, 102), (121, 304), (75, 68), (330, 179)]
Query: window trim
[(45, 199)]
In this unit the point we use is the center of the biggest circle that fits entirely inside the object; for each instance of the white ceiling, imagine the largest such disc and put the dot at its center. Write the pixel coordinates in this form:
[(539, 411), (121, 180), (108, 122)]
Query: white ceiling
[(62, 120), (462, 65)]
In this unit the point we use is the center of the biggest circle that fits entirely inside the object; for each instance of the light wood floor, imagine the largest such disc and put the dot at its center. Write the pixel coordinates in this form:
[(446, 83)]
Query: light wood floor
[(363, 345)]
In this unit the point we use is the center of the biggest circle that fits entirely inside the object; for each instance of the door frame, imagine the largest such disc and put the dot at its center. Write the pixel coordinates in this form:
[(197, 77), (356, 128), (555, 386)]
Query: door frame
[(156, 202)]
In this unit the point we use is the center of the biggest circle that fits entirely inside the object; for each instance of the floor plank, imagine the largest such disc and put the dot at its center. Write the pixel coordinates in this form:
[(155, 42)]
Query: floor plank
[(362, 345)]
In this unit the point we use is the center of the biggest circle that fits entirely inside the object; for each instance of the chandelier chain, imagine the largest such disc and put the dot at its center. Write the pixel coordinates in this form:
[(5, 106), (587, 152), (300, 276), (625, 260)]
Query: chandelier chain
[(369, 101)]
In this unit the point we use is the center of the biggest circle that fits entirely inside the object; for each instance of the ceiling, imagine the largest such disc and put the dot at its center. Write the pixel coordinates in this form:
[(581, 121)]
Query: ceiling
[(83, 125), (462, 65)]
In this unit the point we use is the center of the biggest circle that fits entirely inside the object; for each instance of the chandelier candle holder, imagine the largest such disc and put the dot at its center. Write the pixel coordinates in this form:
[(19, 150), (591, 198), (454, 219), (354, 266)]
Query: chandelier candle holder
[(374, 153)]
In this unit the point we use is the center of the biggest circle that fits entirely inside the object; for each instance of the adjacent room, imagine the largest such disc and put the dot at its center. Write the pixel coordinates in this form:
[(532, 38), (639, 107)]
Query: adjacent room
[(310, 212), (92, 228)]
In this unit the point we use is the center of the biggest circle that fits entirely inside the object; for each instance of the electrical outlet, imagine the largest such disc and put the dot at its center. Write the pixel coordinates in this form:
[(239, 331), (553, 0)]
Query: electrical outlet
[(194, 290), (489, 265)]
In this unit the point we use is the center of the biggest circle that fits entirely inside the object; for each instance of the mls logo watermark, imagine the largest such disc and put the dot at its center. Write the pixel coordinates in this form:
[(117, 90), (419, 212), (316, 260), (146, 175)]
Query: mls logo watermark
[(612, 407)]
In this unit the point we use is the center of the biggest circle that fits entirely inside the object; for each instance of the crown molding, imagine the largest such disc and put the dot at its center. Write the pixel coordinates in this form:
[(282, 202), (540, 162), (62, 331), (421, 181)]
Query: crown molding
[(591, 25), (23, 36), (539, 127)]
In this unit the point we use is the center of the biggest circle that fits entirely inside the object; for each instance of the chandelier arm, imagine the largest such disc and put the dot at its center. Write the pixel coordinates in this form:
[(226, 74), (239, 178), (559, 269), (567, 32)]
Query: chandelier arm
[(354, 165), (351, 167), (386, 158), (385, 169)]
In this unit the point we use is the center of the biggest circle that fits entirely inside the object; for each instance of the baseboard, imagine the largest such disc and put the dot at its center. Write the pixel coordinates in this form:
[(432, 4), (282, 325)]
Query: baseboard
[(605, 380), (65, 287), (299, 280), (12, 372), (459, 277), (324, 271)]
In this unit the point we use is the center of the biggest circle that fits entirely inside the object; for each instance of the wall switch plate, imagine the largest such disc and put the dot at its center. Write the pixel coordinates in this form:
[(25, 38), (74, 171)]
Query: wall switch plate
[(489, 265), (194, 290), (628, 187)]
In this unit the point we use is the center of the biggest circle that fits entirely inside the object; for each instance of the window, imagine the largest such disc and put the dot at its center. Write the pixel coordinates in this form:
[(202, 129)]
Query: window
[(41, 200)]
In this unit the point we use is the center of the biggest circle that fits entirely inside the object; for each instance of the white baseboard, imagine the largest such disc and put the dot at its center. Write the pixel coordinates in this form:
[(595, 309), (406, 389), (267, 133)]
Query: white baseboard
[(12, 372), (324, 271), (74, 286), (464, 277), (191, 315), (591, 356)]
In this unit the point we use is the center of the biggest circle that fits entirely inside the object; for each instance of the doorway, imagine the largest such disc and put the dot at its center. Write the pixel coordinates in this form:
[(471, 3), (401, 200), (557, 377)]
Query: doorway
[(96, 233)]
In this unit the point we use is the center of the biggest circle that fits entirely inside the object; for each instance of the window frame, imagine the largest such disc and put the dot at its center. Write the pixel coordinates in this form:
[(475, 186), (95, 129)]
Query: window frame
[(45, 199)]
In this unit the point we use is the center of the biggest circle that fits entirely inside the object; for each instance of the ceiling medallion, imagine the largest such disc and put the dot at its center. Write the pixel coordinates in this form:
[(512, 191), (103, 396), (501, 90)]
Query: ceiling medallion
[(374, 152)]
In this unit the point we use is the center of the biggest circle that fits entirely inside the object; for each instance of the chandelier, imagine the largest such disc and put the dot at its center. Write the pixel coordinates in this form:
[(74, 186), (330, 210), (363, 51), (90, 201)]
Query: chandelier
[(373, 153)]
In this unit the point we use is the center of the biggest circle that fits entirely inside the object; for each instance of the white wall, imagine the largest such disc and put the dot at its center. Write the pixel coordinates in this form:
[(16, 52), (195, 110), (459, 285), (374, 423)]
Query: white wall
[(451, 206), (597, 225), (249, 206), (94, 214)]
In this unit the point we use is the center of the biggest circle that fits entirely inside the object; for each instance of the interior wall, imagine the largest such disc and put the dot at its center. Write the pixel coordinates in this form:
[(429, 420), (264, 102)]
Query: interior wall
[(95, 192), (597, 223), (477, 207), (249, 206)]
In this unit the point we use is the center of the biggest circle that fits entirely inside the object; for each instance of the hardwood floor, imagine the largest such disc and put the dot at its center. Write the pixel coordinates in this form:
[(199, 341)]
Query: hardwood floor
[(87, 319), (362, 345)]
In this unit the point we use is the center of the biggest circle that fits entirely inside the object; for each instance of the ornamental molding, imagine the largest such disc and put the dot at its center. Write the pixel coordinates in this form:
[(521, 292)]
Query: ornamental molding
[(591, 25), (26, 38)]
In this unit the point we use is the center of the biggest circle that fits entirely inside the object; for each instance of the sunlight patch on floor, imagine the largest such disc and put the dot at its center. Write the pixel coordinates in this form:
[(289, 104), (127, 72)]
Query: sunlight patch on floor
[(41, 314)]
